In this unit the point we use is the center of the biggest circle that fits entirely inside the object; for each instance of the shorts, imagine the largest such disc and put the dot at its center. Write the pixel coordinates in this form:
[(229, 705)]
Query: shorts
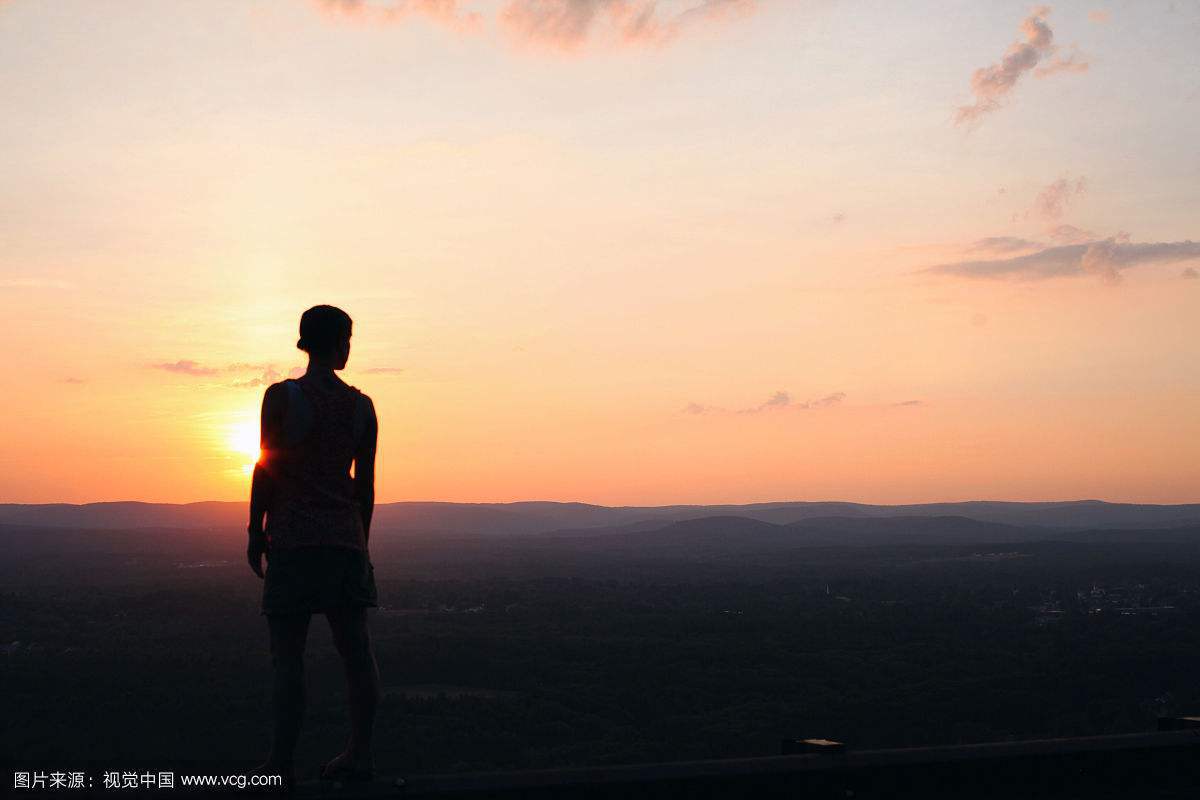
[(318, 578)]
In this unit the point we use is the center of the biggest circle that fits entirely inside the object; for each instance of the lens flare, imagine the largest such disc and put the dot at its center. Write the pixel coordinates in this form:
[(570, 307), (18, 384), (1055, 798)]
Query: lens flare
[(243, 441)]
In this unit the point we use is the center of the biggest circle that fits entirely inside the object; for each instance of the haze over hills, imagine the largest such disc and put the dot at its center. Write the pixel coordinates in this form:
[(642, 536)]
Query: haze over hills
[(545, 517), (688, 632)]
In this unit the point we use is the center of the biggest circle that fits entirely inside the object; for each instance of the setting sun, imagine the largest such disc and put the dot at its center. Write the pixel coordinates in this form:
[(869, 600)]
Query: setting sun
[(244, 441)]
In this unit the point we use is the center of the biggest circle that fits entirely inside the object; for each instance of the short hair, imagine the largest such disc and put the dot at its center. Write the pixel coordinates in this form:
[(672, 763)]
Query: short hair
[(322, 329)]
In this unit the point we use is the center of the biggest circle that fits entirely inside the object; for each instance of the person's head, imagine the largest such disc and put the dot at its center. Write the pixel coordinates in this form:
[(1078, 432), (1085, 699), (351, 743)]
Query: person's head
[(325, 335)]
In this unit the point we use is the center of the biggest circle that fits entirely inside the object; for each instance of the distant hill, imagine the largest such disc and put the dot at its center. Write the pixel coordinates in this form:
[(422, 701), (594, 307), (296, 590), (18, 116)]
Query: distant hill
[(726, 535), (947, 529), (545, 517)]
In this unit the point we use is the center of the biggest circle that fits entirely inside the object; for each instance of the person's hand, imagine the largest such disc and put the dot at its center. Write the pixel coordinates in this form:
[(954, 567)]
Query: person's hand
[(255, 550)]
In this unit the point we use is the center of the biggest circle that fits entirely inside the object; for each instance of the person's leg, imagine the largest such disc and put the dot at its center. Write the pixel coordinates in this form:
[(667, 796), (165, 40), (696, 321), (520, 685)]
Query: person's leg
[(288, 635), (353, 641)]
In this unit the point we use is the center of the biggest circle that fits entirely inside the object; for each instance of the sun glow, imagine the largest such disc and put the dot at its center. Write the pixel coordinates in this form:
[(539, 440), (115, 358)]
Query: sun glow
[(243, 440)]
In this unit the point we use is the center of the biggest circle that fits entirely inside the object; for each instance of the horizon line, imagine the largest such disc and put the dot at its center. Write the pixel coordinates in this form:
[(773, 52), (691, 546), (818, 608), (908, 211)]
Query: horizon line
[(624, 505)]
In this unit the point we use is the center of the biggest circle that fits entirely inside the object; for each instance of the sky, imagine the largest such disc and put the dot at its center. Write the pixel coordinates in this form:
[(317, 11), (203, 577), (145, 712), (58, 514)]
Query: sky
[(612, 251)]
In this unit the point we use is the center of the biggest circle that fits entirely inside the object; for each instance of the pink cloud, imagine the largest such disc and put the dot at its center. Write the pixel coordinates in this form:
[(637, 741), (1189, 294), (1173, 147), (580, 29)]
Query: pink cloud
[(1003, 244), (186, 367), (1054, 199), (1069, 234), (570, 24), (449, 13), (1105, 259), (1072, 63), (269, 376), (565, 25), (993, 83)]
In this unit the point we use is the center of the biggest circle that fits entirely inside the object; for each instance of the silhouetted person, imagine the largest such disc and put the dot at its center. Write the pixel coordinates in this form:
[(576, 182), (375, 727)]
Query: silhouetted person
[(318, 519)]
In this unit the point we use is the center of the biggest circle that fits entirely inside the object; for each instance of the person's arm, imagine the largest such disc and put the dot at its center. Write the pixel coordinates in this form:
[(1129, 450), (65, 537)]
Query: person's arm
[(260, 483), (364, 466)]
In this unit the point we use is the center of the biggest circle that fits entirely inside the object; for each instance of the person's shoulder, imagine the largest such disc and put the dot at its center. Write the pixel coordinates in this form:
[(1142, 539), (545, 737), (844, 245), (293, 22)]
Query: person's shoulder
[(274, 392), (365, 406), (279, 388), (282, 393)]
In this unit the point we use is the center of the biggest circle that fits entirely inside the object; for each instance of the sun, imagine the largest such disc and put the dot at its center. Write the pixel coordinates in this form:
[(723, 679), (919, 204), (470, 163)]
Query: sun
[(243, 440)]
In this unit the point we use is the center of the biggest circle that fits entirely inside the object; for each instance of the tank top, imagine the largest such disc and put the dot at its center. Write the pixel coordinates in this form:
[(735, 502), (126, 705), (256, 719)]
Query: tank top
[(313, 502)]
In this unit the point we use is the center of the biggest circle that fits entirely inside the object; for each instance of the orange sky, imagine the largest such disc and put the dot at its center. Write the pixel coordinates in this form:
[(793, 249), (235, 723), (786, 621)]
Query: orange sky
[(727, 258)]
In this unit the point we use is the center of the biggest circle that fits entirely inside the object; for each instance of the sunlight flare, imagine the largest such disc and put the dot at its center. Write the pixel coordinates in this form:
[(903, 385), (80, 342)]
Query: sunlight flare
[(243, 441)]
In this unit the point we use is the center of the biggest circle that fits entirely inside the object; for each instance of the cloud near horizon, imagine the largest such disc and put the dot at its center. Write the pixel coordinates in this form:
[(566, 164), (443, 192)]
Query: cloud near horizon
[(992, 84), (185, 367), (1070, 234), (1105, 259), (1003, 244), (778, 400), (270, 375)]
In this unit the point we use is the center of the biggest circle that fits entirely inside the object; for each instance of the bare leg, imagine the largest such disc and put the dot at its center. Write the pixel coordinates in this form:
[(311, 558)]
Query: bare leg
[(353, 641), (288, 635)]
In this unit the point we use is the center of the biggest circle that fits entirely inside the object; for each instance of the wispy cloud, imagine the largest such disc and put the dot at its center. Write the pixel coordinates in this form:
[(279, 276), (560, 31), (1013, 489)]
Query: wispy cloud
[(992, 84), (909, 403), (1190, 274), (778, 401), (268, 373), (1072, 62), (268, 376), (1053, 200), (563, 25), (1003, 244), (74, 380), (1105, 259), (186, 367), (1099, 16), (1069, 234), (570, 24), (449, 13), (827, 401), (384, 370)]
